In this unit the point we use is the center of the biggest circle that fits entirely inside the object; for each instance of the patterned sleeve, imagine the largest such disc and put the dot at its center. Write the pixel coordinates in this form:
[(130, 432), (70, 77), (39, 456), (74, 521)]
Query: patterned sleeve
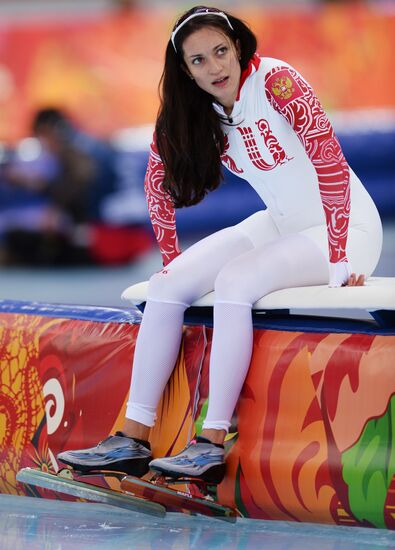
[(292, 97), (160, 207)]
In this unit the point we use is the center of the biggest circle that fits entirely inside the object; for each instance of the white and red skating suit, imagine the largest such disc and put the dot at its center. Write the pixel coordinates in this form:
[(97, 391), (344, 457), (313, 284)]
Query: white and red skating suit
[(280, 140)]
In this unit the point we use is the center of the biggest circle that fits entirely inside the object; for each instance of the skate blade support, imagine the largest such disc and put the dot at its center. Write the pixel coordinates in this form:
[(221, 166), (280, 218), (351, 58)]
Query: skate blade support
[(63, 482), (157, 490)]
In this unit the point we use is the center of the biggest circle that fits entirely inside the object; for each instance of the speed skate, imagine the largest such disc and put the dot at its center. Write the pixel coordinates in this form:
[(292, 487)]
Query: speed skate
[(153, 495)]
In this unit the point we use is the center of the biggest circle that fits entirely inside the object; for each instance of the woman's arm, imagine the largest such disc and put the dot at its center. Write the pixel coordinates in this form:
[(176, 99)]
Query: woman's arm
[(160, 207), (292, 96)]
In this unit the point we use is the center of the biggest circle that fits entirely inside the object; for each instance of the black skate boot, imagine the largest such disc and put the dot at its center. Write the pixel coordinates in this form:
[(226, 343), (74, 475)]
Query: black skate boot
[(115, 453)]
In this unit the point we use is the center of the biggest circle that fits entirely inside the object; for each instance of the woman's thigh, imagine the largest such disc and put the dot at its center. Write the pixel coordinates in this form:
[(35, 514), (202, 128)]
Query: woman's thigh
[(192, 274), (259, 228), (289, 261), (364, 243)]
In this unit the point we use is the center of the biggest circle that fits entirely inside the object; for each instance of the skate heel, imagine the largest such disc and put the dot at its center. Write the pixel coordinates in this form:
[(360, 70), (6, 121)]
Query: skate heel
[(214, 475)]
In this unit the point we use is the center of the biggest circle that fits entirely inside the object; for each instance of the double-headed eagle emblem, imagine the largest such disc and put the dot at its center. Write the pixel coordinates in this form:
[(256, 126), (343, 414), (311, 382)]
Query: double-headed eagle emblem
[(282, 87)]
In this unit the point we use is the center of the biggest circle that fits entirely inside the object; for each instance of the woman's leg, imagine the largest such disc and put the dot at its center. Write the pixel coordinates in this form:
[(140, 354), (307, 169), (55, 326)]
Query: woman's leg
[(171, 291), (286, 262), (186, 278), (290, 261)]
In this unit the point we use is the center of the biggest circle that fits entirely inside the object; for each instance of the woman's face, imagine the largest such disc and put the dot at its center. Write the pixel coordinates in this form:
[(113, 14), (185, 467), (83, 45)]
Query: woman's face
[(212, 59)]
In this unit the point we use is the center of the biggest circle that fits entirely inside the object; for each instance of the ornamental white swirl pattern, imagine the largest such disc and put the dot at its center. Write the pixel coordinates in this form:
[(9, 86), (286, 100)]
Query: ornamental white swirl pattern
[(160, 207), (54, 404), (292, 97)]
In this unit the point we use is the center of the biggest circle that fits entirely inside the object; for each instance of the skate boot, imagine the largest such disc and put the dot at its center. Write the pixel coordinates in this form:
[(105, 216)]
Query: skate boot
[(115, 453), (201, 460)]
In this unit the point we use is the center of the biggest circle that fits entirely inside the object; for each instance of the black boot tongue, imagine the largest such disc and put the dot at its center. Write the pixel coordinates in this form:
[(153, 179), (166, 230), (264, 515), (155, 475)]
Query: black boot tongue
[(201, 439)]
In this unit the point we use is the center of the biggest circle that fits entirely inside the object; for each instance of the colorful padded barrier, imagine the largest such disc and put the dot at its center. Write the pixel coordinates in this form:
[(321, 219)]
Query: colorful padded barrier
[(313, 433)]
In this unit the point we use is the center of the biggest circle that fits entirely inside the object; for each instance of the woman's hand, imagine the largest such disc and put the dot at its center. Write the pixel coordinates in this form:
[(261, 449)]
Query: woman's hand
[(353, 280), (340, 274)]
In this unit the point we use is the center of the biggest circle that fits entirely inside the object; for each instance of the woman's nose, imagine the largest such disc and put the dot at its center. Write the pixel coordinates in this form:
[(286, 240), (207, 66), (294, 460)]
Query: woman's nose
[(214, 66)]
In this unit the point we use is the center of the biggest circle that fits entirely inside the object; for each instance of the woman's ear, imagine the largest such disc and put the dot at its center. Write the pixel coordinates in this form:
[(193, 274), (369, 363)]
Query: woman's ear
[(186, 70), (238, 48)]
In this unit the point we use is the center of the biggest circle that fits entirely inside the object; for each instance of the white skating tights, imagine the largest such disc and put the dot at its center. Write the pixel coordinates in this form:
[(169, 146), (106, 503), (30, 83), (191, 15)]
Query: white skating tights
[(240, 269)]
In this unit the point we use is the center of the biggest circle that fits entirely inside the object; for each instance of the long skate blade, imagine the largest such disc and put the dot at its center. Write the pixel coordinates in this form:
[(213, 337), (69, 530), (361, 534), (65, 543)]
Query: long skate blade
[(79, 489)]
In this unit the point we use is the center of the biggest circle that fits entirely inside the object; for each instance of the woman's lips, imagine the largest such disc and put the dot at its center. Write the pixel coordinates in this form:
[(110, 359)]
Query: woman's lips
[(220, 82)]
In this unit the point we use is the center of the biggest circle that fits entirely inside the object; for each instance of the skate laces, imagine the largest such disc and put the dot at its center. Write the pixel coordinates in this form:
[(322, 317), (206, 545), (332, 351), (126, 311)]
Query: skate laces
[(104, 441)]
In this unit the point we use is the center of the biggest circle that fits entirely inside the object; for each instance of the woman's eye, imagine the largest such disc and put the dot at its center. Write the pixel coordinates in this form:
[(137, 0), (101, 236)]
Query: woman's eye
[(222, 51), (196, 61)]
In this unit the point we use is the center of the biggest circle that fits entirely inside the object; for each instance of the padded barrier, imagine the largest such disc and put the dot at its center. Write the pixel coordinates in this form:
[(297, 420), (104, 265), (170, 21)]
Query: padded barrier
[(312, 437)]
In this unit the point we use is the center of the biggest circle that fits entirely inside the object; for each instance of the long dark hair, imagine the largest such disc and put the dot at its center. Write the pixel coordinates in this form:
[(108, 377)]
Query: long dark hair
[(188, 130)]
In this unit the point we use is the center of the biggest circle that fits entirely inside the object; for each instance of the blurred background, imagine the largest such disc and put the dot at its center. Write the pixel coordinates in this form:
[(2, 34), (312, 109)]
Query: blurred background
[(78, 100)]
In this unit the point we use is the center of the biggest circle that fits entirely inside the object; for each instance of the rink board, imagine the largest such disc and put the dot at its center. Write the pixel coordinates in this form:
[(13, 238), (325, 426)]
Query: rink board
[(377, 294), (312, 438)]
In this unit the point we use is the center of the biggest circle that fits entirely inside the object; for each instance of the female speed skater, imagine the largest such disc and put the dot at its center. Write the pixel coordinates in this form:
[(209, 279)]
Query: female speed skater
[(223, 103)]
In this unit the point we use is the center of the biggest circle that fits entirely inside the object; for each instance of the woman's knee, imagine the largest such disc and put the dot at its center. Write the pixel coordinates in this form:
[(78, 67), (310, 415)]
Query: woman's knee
[(231, 285), (165, 286)]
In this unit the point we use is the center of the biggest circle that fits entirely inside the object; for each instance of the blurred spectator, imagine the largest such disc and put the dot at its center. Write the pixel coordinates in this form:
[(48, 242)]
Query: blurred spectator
[(86, 166), (59, 200), (123, 7)]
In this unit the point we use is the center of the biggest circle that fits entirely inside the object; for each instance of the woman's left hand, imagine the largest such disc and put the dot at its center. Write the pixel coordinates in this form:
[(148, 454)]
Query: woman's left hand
[(340, 274), (353, 280)]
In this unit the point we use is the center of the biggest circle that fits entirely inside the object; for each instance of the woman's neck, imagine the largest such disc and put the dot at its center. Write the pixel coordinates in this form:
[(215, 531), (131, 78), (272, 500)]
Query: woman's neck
[(227, 110)]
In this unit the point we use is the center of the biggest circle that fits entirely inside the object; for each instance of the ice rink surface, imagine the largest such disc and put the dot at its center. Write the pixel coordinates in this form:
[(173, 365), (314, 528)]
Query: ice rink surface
[(38, 524)]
